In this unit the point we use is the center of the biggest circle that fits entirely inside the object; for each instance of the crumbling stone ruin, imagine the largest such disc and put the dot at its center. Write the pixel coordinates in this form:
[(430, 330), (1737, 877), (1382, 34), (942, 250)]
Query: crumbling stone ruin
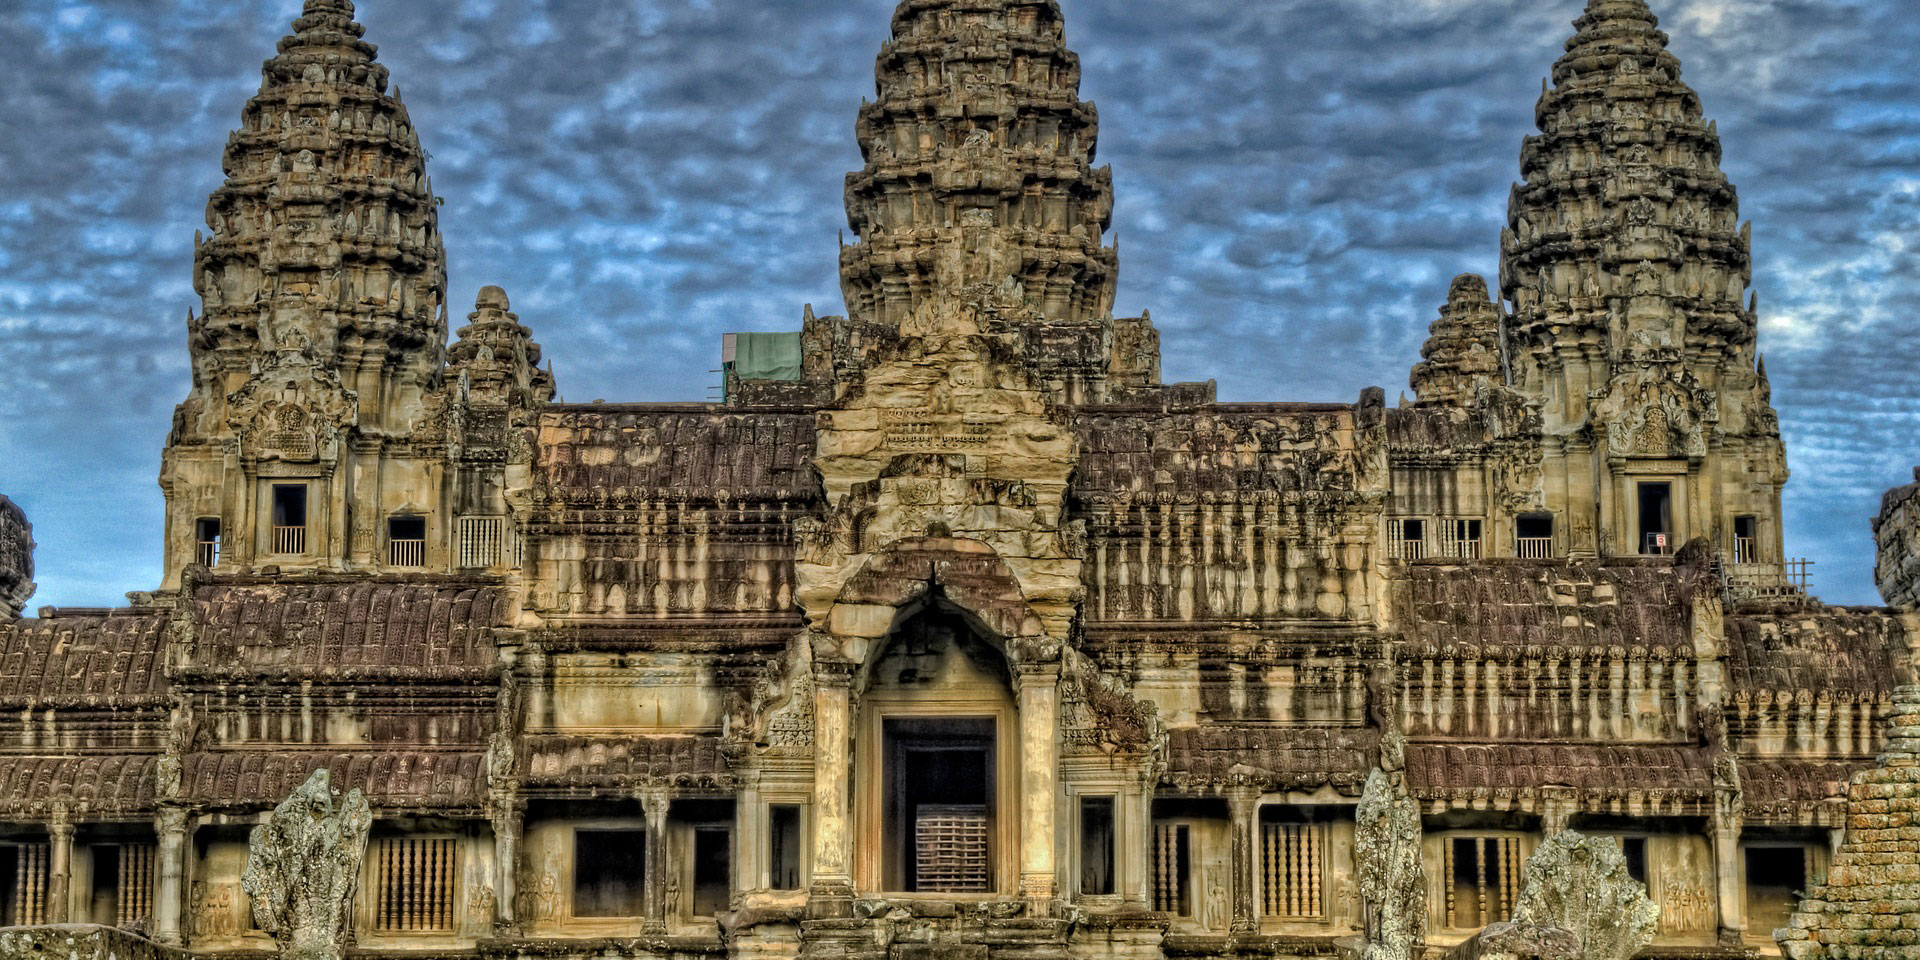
[(1869, 906), (302, 865), (954, 632)]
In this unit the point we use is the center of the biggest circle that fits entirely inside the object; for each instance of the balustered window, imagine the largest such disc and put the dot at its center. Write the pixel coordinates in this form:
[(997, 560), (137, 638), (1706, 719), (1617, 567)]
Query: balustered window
[(480, 540), (414, 884), (1483, 879), (1173, 869), (1407, 538), (122, 894), (23, 884), (1293, 869)]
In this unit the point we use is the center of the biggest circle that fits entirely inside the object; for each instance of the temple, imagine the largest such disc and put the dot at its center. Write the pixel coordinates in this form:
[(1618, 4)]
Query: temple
[(954, 633)]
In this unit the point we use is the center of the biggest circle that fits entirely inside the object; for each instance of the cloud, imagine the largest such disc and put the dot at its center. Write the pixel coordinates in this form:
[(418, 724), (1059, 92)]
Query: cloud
[(1297, 182)]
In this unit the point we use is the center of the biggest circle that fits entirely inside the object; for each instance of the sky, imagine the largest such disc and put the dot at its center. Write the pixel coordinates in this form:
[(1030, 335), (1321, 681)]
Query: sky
[(1297, 181)]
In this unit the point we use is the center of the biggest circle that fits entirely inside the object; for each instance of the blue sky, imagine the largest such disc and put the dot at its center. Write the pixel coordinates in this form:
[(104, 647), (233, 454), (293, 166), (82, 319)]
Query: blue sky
[(1297, 181)]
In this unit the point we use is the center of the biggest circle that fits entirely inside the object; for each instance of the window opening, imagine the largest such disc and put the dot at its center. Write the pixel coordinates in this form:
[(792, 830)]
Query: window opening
[(712, 870), (1460, 539), (407, 541), (122, 894), (1096, 845), (289, 519), (1534, 537), (206, 535), (1293, 859), (784, 842), (23, 884), (1408, 539), (1746, 539), (1656, 518), (609, 872), (480, 539)]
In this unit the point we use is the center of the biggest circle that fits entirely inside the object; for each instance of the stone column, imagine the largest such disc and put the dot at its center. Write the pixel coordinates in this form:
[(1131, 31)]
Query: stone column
[(1728, 881), (169, 895), (506, 875), (831, 892), (1243, 806), (1039, 777), (60, 867), (654, 896)]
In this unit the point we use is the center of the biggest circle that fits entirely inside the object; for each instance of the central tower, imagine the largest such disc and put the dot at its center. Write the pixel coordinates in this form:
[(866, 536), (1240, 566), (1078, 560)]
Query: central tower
[(979, 168)]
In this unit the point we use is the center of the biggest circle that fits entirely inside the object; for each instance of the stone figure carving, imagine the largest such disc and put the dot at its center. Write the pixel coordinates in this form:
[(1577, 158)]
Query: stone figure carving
[(302, 866), (1581, 883), (1386, 851)]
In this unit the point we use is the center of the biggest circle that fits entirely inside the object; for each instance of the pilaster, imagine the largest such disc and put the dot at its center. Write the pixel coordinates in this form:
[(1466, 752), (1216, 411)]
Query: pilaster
[(832, 888), (1039, 777), (655, 803)]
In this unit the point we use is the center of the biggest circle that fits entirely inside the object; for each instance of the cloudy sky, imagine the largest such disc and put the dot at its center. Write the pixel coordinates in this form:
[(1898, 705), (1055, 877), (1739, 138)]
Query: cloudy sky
[(1297, 182)]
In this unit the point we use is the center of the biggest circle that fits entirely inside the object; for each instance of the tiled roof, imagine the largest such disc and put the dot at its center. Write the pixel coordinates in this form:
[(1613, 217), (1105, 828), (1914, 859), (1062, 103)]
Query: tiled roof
[(1276, 756), (365, 628), (608, 761), (1545, 604), (80, 661), (418, 779), (1441, 770), (1306, 449), (121, 783), (1832, 651), (588, 456)]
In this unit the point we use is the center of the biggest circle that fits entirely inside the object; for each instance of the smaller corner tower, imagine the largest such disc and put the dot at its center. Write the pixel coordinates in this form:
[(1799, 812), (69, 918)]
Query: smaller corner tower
[(315, 436)]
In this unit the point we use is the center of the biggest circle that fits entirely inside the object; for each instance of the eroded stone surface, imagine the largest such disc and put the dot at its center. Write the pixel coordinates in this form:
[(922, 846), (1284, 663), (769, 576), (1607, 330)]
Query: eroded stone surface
[(302, 866), (1580, 884), (1386, 852)]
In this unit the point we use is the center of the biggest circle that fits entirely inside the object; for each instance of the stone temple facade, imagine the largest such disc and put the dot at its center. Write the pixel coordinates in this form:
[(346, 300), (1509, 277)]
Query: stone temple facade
[(969, 638)]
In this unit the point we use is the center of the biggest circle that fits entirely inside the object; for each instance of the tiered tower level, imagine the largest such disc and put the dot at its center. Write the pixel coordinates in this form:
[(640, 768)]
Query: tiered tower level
[(1627, 270), (979, 168), (323, 424), (953, 632)]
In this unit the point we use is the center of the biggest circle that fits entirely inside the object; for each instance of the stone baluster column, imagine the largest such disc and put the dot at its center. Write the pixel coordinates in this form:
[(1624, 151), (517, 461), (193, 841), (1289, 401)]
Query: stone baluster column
[(1243, 807), (831, 893), (1039, 722), (60, 867), (169, 895), (654, 896), (507, 825)]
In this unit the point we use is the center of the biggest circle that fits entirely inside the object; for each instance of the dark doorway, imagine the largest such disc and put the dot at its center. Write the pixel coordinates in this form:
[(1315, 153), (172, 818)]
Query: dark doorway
[(940, 816), (1656, 518)]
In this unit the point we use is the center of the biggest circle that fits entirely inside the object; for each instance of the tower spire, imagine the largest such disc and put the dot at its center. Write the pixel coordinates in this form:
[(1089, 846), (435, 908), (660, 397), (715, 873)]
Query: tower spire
[(1625, 214), (979, 167), (325, 242)]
